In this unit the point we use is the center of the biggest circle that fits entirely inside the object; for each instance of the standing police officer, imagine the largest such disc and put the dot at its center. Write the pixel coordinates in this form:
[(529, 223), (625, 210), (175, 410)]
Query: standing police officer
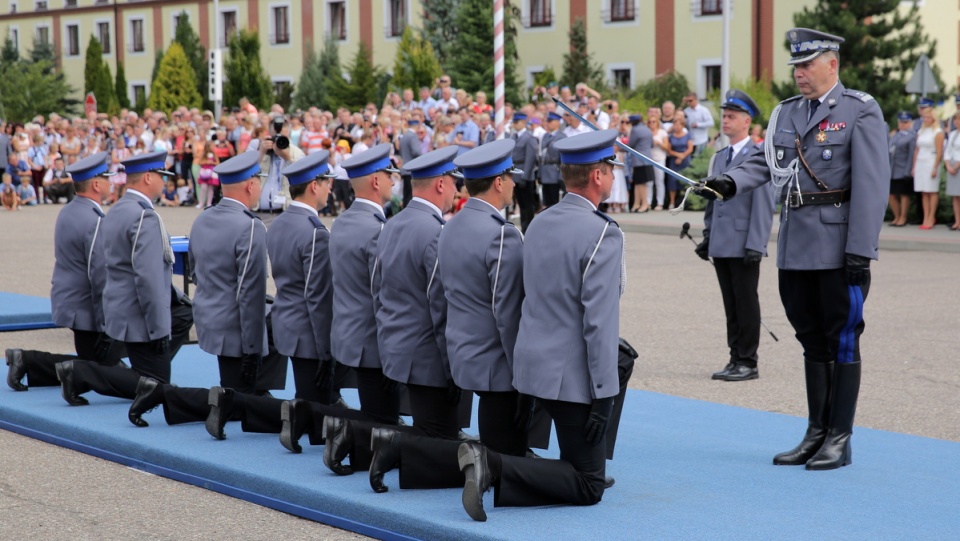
[(550, 181), (735, 235), (140, 305), (525, 155), (903, 143), (409, 150), (481, 266), (826, 150), (567, 347), (78, 278)]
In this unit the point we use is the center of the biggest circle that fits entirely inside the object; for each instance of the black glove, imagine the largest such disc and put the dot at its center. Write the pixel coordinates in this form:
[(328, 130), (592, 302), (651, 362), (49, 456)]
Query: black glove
[(703, 249), (162, 346), (720, 184), (858, 269), (753, 257), (453, 393), (248, 368), (324, 379), (524, 416), (596, 426)]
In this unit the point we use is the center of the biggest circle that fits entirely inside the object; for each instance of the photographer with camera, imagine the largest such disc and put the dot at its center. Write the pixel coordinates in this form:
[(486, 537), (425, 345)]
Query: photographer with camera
[(276, 152)]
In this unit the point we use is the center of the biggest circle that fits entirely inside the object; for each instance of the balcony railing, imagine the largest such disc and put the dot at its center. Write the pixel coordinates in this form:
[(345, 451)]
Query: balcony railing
[(280, 39)]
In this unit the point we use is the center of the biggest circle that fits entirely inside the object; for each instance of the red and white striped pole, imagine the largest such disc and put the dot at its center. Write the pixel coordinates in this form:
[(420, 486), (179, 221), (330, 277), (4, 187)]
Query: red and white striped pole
[(498, 91)]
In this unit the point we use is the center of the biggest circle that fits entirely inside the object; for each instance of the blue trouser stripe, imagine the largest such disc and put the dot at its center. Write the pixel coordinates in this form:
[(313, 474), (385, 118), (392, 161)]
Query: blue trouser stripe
[(848, 340)]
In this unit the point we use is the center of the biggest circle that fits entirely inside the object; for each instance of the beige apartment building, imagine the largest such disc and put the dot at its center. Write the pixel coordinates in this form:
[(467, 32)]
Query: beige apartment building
[(634, 40)]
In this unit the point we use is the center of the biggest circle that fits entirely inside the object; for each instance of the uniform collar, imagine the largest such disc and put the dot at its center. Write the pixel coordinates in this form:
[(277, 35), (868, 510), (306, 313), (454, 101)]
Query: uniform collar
[(737, 147), (369, 202), (579, 200), (141, 195), (429, 204), (306, 207), (233, 200), (480, 204)]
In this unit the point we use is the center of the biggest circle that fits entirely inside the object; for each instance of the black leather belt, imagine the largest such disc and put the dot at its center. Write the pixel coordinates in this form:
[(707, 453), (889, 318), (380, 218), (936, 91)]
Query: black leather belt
[(797, 200)]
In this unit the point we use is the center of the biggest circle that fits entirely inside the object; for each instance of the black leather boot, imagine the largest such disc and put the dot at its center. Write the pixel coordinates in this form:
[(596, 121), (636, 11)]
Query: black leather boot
[(836, 451), (818, 376)]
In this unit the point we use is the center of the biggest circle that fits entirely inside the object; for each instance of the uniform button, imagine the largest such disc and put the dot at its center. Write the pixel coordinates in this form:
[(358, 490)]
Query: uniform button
[(600, 386), (804, 147)]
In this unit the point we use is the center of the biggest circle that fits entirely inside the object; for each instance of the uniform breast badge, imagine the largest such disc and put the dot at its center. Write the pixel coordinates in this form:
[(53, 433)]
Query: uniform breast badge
[(822, 134)]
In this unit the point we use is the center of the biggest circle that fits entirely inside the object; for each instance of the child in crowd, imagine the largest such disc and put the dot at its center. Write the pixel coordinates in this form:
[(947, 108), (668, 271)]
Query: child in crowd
[(169, 196), (184, 193), (8, 193), (26, 192)]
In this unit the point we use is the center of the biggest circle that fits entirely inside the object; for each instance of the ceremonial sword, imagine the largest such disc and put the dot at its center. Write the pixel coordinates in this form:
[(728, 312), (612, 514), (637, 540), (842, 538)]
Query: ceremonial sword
[(699, 186), (685, 232)]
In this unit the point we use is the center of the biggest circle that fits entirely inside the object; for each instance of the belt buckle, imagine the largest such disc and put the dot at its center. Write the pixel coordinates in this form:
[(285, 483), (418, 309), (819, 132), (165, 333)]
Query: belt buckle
[(793, 200)]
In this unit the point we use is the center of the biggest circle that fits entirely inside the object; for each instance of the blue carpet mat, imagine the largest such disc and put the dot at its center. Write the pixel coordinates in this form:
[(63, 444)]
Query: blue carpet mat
[(24, 312), (685, 469)]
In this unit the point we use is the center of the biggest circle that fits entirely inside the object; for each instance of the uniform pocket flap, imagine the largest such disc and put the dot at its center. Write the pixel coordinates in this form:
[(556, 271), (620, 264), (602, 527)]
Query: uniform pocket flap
[(831, 214)]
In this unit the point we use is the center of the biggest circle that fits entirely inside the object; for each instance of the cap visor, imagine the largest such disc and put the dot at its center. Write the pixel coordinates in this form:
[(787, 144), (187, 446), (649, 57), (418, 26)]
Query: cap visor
[(456, 174), (107, 174), (801, 59), (614, 162), (391, 170), (165, 173), (514, 171)]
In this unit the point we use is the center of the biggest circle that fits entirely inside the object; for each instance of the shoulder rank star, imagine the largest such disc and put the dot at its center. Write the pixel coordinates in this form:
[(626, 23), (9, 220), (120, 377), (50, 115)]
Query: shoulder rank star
[(821, 135)]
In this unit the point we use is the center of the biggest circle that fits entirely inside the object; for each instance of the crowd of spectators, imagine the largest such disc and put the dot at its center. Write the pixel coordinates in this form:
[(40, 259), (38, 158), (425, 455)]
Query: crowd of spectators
[(37, 152)]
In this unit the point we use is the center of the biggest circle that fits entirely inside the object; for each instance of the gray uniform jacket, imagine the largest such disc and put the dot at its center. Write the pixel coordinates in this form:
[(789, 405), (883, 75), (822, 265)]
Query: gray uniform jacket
[(353, 258), (742, 223), (137, 293), (852, 154), (550, 158), (413, 309), (298, 246), (569, 328), (641, 140), (228, 262), (79, 273), (409, 146), (526, 155), (481, 266), (902, 145)]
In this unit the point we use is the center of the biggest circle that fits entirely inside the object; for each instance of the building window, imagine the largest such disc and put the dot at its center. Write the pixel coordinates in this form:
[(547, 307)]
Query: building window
[(338, 20), (73, 40), (70, 3), (229, 26), (43, 35), (622, 78), (711, 78), (711, 7), (14, 35), (136, 36), (620, 11), (41, 5), (281, 25), (397, 17), (13, 7), (139, 94), (539, 14), (103, 34)]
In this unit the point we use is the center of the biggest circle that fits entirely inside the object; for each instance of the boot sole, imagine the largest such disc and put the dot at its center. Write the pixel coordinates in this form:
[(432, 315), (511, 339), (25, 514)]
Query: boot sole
[(286, 432), (471, 491)]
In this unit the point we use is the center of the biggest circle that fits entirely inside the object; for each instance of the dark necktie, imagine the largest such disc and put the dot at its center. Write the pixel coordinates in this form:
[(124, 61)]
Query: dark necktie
[(729, 156), (814, 104)]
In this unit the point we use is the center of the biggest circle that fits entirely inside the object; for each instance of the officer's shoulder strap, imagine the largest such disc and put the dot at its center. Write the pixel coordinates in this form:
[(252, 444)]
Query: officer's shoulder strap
[(250, 213), (794, 98), (317, 224), (862, 96), (146, 205), (99, 212), (500, 220), (607, 218)]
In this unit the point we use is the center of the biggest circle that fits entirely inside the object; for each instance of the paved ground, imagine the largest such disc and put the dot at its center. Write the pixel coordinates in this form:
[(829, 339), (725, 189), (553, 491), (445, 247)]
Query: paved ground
[(671, 312)]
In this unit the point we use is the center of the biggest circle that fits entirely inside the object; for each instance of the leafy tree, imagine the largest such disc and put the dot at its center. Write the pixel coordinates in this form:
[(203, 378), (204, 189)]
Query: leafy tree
[(9, 54), (244, 72), (196, 55), (472, 67), (578, 64), (28, 88), (283, 94), (545, 77), (43, 51), (416, 63), (670, 86), (120, 87), (882, 45), (176, 84), (362, 86), (761, 92), (157, 59), (97, 78), (440, 29)]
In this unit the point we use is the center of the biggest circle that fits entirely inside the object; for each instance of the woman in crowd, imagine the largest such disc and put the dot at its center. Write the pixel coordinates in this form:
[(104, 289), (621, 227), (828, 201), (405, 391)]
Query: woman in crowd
[(951, 158), (658, 154), (679, 147), (903, 144), (118, 182), (926, 164)]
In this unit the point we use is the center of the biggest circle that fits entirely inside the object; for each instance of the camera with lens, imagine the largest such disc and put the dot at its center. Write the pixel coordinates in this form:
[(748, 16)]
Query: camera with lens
[(279, 140)]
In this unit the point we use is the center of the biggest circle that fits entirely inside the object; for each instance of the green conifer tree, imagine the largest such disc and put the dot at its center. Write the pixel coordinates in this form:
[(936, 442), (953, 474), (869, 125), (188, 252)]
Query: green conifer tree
[(362, 88), (472, 67), (196, 54), (416, 62), (244, 73), (578, 63), (175, 84), (120, 87)]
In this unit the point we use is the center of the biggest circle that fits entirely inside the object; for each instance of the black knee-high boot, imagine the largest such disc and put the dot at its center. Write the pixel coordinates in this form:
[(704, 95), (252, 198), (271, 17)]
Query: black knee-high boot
[(836, 451), (818, 376)]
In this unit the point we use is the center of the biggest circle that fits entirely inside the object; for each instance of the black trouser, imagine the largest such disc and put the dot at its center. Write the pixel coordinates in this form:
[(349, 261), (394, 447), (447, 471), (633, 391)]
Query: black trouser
[(56, 191), (144, 358), (826, 313), (432, 462), (407, 189), (343, 192), (379, 399), (41, 366), (741, 304), (576, 479), (433, 413), (526, 194), (551, 194)]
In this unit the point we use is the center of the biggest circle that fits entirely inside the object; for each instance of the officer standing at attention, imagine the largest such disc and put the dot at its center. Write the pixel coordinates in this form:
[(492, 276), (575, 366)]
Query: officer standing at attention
[(140, 305), (525, 155), (409, 151), (735, 235), (550, 180), (903, 144), (481, 267), (826, 151), (567, 347), (228, 259), (78, 278)]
